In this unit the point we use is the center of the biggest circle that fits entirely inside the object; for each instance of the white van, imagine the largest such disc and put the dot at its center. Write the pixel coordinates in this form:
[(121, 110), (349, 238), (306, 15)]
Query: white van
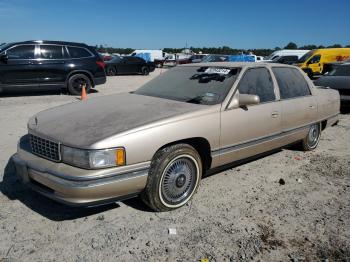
[(154, 54), (286, 52)]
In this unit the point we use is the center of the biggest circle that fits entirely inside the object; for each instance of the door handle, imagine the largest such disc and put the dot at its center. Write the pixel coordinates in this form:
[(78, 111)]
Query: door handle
[(275, 114), (311, 106)]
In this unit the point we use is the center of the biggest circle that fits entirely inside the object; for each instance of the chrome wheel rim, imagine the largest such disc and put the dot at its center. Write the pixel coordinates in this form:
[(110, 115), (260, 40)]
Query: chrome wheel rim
[(179, 181), (313, 135)]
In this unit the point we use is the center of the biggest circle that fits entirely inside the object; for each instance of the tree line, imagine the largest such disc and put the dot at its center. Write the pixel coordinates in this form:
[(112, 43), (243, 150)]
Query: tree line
[(224, 50)]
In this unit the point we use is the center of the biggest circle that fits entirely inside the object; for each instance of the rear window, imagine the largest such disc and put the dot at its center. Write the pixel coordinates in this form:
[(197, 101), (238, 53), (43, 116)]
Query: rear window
[(343, 70), (291, 82), (78, 52)]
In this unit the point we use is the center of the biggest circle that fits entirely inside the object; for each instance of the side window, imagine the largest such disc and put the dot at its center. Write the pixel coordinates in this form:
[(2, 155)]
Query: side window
[(315, 59), (78, 52), (51, 52), (21, 52), (257, 81), (291, 82)]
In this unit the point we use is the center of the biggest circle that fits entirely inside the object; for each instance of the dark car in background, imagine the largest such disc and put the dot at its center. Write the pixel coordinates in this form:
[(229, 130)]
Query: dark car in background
[(45, 65), (339, 79), (288, 60), (122, 65)]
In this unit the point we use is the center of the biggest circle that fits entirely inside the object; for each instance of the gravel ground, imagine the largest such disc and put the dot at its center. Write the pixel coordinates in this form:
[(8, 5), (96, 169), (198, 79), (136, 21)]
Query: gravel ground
[(288, 206)]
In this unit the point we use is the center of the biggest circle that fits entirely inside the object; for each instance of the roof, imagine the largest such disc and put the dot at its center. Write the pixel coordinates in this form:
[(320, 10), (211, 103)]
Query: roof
[(49, 42), (238, 64)]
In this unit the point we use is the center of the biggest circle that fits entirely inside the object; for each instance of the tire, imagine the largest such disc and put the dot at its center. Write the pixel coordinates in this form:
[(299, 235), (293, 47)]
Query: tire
[(145, 70), (312, 139), (111, 71), (76, 82), (165, 179)]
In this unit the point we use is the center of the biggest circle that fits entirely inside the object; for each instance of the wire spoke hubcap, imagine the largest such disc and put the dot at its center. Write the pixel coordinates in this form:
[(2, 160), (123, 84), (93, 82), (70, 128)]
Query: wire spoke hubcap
[(179, 180), (313, 135)]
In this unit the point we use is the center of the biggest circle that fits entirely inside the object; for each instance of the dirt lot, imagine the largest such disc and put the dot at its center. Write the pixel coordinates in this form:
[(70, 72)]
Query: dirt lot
[(288, 206)]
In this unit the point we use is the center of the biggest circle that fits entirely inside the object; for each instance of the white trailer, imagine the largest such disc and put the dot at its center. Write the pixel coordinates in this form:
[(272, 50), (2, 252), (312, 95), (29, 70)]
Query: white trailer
[(154, 54)]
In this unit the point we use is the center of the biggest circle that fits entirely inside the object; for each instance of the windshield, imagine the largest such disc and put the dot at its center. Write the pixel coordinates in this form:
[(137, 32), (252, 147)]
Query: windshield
[(306, 57), (215, 58), (3, 47), (199, 85), (270, 56)]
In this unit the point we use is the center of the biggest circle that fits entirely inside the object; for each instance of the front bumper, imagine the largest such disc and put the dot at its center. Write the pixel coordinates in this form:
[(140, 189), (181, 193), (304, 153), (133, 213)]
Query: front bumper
[(76, 186)]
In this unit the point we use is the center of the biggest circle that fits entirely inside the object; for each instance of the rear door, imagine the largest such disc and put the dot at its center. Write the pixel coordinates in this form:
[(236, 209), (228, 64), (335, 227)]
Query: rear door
[(250, 130), (19, 68), (51, 64), (299, 107)]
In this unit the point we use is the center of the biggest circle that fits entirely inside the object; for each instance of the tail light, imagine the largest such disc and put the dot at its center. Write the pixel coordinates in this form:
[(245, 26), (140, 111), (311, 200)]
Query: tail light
[(101, 64)]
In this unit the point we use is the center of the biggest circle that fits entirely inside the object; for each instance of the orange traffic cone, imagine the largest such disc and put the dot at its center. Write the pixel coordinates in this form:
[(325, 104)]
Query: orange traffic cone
[(83, 93)]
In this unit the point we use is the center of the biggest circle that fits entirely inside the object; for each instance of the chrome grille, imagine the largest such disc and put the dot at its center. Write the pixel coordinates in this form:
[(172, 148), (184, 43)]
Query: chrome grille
[(45, 148)]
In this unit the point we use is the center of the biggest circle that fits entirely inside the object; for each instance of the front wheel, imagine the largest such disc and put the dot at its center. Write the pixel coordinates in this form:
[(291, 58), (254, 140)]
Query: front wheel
[(76, 83), (173, 178), (310, 142)]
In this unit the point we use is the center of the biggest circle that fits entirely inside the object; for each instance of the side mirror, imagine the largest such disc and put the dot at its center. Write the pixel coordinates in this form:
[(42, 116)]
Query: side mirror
[(3, 58), (246, 100)]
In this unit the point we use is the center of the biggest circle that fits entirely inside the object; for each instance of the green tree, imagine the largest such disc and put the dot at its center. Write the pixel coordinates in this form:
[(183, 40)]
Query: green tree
[(335, 46), (291, 45)]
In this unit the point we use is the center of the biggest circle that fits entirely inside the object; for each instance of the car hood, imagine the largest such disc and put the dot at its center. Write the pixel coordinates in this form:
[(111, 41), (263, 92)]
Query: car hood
[(84, 123), (335, 82)]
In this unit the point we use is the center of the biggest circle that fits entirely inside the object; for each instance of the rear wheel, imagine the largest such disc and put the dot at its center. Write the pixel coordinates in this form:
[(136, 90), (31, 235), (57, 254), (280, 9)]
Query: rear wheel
[(76, 83), (312, 139), (145, 70), (111, 71), (173, 178)]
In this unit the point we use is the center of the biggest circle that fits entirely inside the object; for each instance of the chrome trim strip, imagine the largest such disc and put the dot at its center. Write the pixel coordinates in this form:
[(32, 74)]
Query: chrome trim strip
[(89, 183), (254, 142), (220, 151), (133, 169)]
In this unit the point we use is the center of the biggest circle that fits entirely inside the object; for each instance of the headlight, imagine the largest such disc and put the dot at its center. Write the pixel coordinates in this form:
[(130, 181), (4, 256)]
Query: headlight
[(92, 159)]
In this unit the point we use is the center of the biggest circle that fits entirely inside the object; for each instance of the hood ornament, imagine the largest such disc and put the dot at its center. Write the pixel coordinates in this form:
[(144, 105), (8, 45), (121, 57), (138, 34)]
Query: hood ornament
[(36, 121)]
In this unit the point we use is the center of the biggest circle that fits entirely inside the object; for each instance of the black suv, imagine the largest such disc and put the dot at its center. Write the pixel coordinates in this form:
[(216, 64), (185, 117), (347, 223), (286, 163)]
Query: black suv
[(50, 64)]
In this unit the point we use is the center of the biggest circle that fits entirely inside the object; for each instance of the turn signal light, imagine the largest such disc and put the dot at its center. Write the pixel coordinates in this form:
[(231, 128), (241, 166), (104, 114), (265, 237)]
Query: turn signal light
[(120, 157)]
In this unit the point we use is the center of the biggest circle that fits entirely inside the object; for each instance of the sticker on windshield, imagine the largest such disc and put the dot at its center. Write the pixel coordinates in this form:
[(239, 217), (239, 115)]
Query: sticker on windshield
[(215, 70)]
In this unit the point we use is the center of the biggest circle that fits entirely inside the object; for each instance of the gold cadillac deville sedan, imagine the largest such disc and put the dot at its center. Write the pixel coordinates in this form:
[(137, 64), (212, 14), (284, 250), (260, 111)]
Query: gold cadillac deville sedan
[(158, 141)]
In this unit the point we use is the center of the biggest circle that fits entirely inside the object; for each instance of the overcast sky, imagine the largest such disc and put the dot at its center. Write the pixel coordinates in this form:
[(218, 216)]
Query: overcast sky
[(159, 24)]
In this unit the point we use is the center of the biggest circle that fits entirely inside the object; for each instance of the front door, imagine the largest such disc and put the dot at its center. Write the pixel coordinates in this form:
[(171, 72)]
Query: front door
[(315, 64), (19, 68), (248, 131)]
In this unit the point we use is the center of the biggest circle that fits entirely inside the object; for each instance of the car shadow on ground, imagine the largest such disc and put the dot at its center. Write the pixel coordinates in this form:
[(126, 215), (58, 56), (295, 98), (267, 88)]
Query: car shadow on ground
[(12, 188), (39, 93)]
